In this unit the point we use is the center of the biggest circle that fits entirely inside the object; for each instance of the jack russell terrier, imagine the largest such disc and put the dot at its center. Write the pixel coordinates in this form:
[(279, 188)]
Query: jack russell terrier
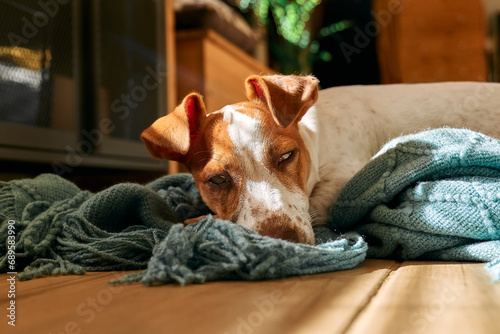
[(275, 163)]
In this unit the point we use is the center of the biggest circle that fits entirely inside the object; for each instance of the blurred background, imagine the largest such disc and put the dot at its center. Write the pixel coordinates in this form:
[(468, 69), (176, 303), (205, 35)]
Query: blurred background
[(81, 79)]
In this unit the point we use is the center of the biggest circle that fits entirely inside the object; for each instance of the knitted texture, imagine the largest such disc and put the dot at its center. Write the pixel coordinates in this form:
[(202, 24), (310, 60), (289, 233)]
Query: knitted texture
[(433, 195), (218, 250), (63, 230), (60, 229)]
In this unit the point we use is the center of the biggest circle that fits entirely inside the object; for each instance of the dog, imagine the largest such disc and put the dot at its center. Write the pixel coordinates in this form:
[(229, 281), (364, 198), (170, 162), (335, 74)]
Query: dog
[(277, 162)]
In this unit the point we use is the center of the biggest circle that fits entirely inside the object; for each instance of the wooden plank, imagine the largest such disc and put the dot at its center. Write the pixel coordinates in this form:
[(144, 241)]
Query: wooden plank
[(433, 298), (324, 303), (330, 306), (379, 296)]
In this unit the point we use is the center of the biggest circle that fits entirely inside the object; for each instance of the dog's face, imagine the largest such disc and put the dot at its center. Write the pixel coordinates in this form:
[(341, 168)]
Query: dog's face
[(248, 160)]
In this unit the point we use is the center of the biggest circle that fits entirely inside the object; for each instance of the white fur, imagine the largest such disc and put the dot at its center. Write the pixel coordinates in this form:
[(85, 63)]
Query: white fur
[(245, 134), (260, 200), (308, 131), (262, 192), (267, 196), (342, 132), (348, 125)]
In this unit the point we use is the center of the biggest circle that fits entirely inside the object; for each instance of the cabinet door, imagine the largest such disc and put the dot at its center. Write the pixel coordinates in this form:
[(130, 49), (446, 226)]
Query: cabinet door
[(129, 73), (80, 80), (39, 87)]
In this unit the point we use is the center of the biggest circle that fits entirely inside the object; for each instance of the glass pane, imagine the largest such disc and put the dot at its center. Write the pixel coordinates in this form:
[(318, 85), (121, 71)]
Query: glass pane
[(128, 54), (37, 83)]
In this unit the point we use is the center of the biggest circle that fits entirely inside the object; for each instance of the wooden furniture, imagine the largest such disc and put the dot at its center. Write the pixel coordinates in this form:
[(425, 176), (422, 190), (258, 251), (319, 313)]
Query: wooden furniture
[(108, 88), (379, 297), (495, 27), (105, 62), (209, 64), (429, 41)]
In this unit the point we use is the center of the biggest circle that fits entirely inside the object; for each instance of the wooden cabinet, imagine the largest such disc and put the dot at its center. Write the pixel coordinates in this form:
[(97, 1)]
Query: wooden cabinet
[(106, 70), (428, 41), (209, 64), (77, 89)]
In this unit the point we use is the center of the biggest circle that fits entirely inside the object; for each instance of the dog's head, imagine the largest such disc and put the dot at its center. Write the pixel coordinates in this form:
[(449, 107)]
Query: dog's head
[(248, 159)]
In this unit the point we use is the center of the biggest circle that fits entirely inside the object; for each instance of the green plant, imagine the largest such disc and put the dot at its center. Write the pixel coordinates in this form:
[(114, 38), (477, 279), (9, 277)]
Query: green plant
[(289, 37), (290, 17)]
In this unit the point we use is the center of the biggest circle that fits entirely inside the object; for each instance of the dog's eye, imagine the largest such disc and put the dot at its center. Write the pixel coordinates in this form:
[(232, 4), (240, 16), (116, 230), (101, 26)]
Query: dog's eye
[(219, 179), (285, 157)]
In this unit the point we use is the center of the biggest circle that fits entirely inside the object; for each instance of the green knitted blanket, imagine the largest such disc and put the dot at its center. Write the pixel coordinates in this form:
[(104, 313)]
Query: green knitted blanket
[(433, 195), (59, 229)]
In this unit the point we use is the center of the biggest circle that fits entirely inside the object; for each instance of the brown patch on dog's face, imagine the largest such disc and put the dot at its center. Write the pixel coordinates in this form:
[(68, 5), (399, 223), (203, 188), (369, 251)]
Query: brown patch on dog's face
[(210, 160), (294, 170), (249, 180), (248, 160)]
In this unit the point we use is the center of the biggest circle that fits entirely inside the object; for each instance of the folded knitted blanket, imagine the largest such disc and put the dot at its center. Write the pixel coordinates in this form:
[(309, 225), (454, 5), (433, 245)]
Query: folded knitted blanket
[(432, 195)]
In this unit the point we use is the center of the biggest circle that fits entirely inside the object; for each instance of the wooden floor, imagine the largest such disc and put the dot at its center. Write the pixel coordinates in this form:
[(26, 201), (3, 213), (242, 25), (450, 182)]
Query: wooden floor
[(380, 296)]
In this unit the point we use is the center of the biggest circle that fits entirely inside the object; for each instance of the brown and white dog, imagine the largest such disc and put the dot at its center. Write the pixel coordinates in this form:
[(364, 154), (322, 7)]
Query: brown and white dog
[(276, 162)]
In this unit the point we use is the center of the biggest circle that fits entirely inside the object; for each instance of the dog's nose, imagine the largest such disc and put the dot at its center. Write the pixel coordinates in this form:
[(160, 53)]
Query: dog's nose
[(285, 234), (279, 229)]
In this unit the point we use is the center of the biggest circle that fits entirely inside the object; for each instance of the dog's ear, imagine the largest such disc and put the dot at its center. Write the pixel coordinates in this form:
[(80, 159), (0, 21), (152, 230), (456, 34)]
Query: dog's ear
[(170, 136), (288, 97)]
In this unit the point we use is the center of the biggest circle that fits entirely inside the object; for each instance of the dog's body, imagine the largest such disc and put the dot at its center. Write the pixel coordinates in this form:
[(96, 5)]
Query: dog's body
[(348, 125), (276, 163)]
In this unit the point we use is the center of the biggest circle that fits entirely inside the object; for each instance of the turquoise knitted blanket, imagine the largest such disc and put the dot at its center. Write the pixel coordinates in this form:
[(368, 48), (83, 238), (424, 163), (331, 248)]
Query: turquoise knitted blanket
[(433, 195)]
